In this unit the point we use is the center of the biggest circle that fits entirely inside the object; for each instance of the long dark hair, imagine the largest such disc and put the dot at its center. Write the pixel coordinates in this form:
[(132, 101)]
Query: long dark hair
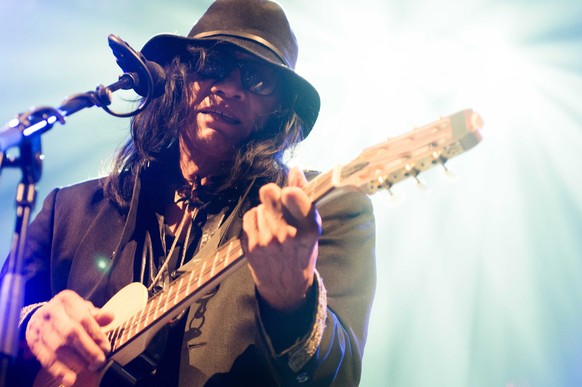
[(155, 131)]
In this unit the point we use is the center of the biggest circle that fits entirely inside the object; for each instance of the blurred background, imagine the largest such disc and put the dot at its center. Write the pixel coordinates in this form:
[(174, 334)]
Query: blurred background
[(480, 277)]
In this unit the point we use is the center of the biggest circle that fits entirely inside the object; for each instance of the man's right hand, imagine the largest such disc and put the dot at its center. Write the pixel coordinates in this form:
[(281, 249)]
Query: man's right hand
[(66, 337)]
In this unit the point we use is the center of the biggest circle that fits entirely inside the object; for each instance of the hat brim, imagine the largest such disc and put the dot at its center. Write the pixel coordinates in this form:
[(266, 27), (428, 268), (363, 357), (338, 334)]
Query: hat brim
[(162, 48)]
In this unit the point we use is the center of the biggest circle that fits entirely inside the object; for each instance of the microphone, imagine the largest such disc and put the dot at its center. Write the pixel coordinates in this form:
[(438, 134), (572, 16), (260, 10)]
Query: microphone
[(147, 78), (141, 70)]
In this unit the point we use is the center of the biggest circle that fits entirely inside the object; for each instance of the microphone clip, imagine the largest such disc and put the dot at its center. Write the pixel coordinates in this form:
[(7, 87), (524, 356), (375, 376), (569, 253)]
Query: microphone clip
[(146, 78)]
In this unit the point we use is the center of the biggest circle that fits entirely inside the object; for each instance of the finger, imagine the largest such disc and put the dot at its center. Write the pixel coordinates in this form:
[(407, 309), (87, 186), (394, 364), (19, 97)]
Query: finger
[(297, 178), (82, 311), (47, 358), (75, 334), (264, 225), (296, 202), (300, 212), (270, 195), (102, 317), (271, 217), (298, 205), (95, 321), (72, 359), (54, 343), (84, 314), (67, 355), (250, 227), (62, 373)]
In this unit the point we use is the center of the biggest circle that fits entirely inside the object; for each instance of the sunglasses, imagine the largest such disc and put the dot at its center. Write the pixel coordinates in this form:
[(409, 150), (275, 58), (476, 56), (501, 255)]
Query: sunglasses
[(256, 77)]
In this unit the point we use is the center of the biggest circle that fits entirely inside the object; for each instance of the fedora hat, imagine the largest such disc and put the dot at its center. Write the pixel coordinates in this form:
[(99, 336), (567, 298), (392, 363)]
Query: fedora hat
[(259, 27)]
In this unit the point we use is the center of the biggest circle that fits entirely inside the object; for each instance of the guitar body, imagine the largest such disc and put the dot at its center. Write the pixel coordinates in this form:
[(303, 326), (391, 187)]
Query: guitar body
[(124, 304)]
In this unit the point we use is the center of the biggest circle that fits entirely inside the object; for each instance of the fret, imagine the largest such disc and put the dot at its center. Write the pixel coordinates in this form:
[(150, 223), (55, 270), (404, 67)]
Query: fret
[(131, 330), (111, 338), (124, 336), (127, 327), (152, 312), (125, 331), (115, 337), (141, 323), (216, 256), (201, 273), (236, 252), (207, 273), (189, 281), (225, 259), (177, 285), (164, 299), (179, 291), (157, 307), (135, 323), (184, 288), (149, 314), (170, 293)]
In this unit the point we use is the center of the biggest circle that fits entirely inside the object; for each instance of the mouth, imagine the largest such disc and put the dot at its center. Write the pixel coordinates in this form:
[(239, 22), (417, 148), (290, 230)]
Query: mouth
[(221, 115)]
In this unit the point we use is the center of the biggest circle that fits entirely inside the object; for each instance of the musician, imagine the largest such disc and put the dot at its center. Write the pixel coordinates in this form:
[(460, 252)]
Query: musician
[(205, 164)]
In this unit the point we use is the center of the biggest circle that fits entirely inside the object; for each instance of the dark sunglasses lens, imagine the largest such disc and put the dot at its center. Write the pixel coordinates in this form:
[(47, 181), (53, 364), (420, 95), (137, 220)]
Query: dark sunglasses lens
[(258, 78), (215, 67), (255, 77)]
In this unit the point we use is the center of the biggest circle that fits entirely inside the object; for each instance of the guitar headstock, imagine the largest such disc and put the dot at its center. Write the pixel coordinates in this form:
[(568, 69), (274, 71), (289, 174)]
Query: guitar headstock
[(385, 164)]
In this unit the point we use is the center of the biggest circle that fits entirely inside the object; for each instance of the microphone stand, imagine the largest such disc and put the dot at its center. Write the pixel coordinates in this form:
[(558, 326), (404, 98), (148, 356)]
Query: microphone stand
[(25, 132), (12, 290)]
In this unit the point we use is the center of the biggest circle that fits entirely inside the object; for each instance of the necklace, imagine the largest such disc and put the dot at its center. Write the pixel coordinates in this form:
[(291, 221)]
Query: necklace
[(188, 215)]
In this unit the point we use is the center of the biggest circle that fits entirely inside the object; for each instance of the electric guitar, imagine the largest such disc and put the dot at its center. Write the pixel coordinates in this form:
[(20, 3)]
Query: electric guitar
[(138, 319)]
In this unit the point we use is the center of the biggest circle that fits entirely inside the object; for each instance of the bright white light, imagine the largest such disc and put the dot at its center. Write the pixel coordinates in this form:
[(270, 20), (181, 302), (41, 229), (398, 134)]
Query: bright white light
[(34, 128), (13, 123)]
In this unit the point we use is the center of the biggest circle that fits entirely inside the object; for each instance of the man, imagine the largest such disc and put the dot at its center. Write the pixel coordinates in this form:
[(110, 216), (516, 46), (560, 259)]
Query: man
[(207, 151)]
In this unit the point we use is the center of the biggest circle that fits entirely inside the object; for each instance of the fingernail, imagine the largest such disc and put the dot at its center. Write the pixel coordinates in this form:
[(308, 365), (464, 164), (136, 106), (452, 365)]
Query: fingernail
[(69, 379)]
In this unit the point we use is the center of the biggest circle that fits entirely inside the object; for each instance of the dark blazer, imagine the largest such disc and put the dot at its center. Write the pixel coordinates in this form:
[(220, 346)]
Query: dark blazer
[(80, 241)]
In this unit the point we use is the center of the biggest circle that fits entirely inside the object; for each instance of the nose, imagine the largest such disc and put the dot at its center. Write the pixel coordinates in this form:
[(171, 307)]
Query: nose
[(230, 86)]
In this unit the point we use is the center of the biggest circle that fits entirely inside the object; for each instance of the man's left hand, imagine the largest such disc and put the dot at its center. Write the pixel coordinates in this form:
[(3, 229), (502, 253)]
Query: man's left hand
[(280, 242)]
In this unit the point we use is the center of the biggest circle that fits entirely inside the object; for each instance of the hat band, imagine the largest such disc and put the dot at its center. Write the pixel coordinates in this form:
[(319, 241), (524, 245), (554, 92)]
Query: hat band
[(244, 35)]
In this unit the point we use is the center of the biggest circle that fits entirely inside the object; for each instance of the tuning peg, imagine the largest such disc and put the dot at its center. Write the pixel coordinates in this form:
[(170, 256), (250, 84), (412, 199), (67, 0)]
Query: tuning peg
[(395, 199), (421, 185), (384, 184), (413, 172), (439, 159), (448, 173)]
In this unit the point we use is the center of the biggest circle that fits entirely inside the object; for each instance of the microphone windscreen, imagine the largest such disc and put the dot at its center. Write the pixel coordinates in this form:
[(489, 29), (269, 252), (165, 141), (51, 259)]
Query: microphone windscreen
[(158, 76)]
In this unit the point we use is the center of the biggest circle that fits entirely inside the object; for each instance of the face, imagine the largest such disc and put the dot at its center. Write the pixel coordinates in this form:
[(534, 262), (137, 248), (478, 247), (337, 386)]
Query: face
[(227, 108)]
